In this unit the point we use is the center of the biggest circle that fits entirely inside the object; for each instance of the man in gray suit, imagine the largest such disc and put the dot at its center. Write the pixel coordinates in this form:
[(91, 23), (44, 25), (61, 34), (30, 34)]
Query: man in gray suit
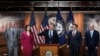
[(12, 36)]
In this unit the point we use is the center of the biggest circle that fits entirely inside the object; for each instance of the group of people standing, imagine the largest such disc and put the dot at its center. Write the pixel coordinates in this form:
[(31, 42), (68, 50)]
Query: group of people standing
[(74, 40)]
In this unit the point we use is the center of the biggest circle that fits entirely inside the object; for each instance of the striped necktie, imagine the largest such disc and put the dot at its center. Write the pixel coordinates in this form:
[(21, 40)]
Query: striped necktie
[(73, 33)]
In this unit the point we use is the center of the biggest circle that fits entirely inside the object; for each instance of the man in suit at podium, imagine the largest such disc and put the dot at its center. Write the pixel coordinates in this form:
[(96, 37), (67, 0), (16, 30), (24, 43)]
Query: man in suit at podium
[(51, 36), (92, 41), (74, 40)]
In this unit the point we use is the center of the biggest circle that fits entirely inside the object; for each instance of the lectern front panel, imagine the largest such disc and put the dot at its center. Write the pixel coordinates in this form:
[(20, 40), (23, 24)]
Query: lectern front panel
[(48, 50)]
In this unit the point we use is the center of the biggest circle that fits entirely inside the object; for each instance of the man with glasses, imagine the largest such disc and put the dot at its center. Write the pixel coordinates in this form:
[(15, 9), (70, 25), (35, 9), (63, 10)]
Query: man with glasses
[(74, 40)]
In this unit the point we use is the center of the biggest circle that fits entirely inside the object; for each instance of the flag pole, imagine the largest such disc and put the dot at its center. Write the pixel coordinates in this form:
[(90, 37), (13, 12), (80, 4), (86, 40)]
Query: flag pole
[(46, 5), (58, 6), (57, 12), (31, 13), (71, 8), (32, 9), (70, 4)]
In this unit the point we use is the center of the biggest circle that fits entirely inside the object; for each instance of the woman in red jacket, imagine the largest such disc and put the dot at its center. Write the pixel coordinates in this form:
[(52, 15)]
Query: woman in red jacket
[(27, 41)]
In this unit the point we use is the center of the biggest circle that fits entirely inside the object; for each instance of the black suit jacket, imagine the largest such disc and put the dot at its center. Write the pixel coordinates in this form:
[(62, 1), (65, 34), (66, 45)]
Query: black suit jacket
[(54, 39), (92, 42), (76, 40)]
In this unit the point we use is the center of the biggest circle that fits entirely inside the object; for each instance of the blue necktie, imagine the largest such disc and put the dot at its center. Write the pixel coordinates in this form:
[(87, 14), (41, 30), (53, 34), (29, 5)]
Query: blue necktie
[(50, 35), (13, 31)]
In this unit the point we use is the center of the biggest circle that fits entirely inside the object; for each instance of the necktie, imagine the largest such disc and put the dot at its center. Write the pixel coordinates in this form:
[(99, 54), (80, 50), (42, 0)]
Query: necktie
[(13, 31), (73, 33), (50, 33), (50, 36)]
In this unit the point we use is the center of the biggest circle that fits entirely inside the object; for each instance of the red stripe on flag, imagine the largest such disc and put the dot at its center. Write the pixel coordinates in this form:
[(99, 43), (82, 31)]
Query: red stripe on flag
[(36, 36)]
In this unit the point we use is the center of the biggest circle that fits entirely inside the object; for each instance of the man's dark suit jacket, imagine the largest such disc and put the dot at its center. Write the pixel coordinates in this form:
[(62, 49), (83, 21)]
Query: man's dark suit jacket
[(54, 39), (76, 40), (92, 42)]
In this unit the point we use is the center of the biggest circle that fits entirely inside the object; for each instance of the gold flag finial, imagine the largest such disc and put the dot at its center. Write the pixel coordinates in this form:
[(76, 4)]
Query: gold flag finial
[(70, 5), (46, 5), (58, 5), (32, 5)]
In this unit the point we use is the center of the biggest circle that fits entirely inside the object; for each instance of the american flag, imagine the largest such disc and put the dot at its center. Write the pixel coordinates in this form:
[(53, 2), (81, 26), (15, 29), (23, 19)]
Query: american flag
[(38, 39), (44, 25), (34, 29)]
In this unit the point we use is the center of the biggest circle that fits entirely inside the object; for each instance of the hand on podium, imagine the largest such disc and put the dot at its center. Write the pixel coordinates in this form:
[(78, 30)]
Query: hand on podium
[(33, 47), (96, 47), (86, 48), (67, 46), (21, 47)]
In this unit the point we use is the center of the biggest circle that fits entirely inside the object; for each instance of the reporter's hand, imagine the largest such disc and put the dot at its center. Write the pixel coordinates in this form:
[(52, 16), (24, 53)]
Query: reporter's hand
[(67, 46)]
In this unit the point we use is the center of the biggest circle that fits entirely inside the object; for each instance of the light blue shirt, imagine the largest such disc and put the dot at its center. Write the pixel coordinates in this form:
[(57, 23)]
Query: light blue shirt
[(91, 32), (50, 33)]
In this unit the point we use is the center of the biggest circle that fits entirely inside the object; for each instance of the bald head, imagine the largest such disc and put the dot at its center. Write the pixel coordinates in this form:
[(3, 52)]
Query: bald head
[(91, 27)]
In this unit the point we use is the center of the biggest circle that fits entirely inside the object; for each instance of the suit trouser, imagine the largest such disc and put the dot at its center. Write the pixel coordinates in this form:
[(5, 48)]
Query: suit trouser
[(12, 50), (74, 51), (92, 51)]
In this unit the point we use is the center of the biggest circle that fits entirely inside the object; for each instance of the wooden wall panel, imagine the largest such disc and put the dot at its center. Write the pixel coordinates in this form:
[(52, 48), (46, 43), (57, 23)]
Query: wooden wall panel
[(79, 19)]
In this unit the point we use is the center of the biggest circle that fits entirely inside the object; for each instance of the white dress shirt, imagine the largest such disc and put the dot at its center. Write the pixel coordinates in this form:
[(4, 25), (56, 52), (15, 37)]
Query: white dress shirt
[(74, 32), (50, 33)]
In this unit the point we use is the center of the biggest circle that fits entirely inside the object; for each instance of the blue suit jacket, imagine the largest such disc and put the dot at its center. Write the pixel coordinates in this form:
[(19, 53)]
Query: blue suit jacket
[(76, 40), (54, 39), (92, 42)]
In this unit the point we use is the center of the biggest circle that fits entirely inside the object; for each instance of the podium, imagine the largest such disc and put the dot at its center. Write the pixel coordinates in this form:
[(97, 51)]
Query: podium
[(48, 50)]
